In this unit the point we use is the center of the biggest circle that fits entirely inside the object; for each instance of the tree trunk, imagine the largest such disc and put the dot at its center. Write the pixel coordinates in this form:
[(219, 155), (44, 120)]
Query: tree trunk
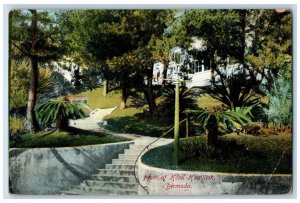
[(61, 123), (124, 96), (212, 128), (33, 126), (32, 94), (212, 67), (105, 87), (58, 123), (243, 36), (166, 64), (148, 92)]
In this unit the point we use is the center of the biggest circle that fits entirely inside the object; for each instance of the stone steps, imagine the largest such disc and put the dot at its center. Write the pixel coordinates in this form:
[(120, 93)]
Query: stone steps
[(115, 172), (132, 151), (120, 166), (123, 161), (118, 177), (141, 147), (115, 178), (128, 156)]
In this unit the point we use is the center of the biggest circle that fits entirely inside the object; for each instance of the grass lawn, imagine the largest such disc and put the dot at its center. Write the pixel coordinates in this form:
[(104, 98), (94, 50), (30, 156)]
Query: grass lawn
[(206, 101), (270, 154), (139, 124), (129, 120), (134, 119), (63, 139), (97, 100)]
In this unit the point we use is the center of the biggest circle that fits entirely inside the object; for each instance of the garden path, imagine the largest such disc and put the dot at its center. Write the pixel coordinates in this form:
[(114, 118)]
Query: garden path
[(94, 121), (120, 177)]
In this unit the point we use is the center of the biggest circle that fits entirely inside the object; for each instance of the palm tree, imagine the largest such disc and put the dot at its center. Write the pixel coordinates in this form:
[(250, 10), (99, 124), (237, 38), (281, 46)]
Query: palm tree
[(59, 112), (186, 100), (221, 118)]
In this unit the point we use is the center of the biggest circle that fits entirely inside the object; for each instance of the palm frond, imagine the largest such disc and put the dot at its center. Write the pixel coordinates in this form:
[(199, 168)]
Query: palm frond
[(51, 110)]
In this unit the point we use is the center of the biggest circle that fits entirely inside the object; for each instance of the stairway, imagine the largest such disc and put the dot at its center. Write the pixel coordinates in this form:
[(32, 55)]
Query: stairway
[(94, 121), (118, 177)]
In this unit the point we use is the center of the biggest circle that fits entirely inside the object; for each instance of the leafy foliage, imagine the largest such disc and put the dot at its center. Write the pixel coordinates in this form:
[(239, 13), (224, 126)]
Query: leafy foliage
[(16, 126), (272, 42), (58, 111), (225, 118), (221, 119), (196, 146), (186, 100), (64, 139), (19, 83), (280, 102), (117, 42), (249, 154), (221, 29), (34, 35), (49, 42), (235, 90)]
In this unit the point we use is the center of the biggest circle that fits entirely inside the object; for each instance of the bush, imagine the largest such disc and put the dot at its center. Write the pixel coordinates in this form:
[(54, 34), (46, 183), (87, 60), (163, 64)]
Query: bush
[(64, 139), (195, 147), (16, 125), (198, 147), (280, 110), (19, 83), (16, 129), (239, 154)]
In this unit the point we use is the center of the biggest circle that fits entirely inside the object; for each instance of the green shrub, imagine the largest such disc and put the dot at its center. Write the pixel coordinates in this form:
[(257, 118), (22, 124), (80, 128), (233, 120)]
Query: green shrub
[(16, 130), (16, 125), (56, 138), (240, 154), (280, 110), (198, 147), (195, 147)]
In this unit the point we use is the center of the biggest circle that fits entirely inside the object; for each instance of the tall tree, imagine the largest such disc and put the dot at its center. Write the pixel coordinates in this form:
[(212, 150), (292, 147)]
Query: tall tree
[(226, 33), (34, 34), (271, 49), (221, 29), (112, 40)]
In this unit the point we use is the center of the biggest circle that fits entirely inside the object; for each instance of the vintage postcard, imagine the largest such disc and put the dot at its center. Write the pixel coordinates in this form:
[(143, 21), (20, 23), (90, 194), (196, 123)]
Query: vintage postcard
[(150, 102)]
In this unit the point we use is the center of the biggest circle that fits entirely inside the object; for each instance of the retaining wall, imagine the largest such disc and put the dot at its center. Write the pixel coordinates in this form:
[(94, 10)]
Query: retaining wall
[(51, 170), (170, 182)]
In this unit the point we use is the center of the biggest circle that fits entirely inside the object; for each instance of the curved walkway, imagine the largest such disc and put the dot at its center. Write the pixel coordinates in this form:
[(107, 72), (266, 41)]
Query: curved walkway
[(94, 121), (120, 176)]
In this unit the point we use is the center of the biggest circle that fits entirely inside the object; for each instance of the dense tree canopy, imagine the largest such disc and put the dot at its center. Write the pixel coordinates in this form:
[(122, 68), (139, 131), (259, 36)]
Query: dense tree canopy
[(119, 48), (118, 42), (272, 43)]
